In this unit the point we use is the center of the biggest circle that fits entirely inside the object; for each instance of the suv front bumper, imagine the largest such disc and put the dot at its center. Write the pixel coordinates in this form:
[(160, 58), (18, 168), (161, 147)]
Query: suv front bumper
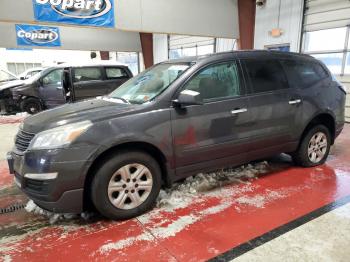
[(62, 194)]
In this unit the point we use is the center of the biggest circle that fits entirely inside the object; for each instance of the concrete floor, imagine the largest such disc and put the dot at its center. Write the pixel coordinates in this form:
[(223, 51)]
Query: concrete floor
[(7, 134), (288, 213)]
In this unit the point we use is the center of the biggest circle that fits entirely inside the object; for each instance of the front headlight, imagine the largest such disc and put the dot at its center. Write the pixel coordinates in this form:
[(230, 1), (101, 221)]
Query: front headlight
[(59, 136)]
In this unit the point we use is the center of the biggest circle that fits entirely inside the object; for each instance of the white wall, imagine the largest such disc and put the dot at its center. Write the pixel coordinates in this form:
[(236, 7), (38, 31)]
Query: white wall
[(290, 21), (160, 48), (45, 57)]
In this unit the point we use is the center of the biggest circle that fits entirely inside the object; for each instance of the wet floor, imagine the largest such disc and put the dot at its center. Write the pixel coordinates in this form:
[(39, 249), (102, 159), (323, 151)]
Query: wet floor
[(198, 227)]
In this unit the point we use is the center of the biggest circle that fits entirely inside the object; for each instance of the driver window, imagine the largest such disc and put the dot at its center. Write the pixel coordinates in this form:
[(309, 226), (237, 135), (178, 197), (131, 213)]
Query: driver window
[(216, 81), (53, 78)]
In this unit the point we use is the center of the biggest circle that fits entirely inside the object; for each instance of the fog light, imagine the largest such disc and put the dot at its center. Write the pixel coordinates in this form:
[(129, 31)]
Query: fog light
[(42, 176)]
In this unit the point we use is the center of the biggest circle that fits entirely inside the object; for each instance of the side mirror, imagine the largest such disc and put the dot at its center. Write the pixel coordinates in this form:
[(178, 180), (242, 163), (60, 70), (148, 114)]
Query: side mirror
[(22, 78), (189, 97)]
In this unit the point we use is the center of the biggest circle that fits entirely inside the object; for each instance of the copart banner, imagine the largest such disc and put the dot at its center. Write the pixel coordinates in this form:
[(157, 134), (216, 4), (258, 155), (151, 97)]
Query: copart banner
[(36, 35), (99, 13)]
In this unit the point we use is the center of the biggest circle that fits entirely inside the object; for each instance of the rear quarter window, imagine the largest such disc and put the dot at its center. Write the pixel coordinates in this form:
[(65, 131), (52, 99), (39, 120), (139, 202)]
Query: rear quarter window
[(303, 74), (116, 72), (87, 74)]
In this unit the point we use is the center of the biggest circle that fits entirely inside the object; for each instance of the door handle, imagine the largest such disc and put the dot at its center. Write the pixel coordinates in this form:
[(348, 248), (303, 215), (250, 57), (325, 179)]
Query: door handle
[(295, 101), (238, 111)]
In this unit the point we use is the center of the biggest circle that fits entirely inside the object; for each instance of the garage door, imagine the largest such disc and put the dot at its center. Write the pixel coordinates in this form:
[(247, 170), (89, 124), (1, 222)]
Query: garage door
[(326, 37)]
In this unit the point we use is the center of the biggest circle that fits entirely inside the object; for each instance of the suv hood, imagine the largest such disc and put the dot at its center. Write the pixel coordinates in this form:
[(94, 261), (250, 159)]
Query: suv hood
[(11, 84), (93, 110)]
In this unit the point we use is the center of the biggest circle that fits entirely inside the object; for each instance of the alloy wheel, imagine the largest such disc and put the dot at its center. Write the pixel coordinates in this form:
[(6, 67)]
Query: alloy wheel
[(317, 147), (130, 186)]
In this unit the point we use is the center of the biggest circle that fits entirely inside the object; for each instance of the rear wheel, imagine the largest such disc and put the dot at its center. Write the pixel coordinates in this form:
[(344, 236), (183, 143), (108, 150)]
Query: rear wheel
[(31, 106), (126, 185), (314, 147)]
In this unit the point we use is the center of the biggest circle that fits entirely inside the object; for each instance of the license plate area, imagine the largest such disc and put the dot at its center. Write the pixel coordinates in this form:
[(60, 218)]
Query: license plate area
[(10, 162)]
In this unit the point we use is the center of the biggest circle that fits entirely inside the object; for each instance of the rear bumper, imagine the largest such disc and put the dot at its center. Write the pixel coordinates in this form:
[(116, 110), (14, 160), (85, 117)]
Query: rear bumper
[(338, 129)]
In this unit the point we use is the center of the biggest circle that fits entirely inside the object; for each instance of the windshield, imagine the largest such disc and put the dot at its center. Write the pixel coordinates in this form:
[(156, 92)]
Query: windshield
[(4, 76), (149, 84)]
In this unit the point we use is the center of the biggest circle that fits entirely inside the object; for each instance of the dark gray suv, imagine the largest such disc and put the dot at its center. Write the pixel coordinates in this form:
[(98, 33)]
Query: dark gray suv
[(174, 120)]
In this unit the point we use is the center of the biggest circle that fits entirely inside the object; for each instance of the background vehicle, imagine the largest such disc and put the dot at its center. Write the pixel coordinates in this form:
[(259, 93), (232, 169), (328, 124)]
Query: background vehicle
[(174, 120), (30, 72), (60, 84), (7, 81)]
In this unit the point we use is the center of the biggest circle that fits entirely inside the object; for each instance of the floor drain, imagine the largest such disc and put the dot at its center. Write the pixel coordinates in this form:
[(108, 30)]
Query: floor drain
[(12, 208)]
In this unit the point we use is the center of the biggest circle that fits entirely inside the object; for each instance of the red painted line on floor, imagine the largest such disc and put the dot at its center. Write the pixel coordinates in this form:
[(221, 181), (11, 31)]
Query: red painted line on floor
[(11, 119), (214, 223)]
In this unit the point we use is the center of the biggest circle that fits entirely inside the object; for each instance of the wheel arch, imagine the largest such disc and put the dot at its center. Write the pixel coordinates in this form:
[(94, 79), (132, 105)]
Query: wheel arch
[(137, 146), (324, 118)]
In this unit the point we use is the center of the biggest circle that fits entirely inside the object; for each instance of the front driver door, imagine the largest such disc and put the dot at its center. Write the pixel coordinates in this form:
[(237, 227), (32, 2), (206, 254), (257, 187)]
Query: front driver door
[(214, 134), (51, 88)]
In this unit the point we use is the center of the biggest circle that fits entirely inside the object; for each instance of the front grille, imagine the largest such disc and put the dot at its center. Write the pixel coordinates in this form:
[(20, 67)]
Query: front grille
[(23, 140)]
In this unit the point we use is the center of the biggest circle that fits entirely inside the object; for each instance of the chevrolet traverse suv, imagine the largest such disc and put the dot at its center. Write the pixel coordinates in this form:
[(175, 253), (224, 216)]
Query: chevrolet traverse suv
[(176, 119)]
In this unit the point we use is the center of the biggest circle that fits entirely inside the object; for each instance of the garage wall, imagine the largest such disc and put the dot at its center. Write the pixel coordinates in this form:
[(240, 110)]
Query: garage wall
[(327, 37), (217, 18), (283, 14), (160, 48), (74, 38)]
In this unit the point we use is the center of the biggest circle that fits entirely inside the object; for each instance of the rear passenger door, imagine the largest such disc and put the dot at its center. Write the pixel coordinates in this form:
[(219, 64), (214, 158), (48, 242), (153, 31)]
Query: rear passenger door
[(307, 80), (270, 111), (115, 76), (88, 82)]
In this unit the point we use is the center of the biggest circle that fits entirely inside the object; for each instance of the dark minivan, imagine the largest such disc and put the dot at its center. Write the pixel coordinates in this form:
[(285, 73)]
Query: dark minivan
[(174, 120), (67, 83)]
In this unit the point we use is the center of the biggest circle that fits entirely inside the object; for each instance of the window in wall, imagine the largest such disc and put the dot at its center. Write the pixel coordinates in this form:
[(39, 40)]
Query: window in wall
[(216, 81), (347, 64), (18, 68), (323, 40), (330, 47), (265, 75), (87, 74), (332, 60), (205, 49), (131, 59)]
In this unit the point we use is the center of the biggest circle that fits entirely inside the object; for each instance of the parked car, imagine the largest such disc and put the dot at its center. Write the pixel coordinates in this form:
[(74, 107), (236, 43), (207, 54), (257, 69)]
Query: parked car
[(57, 85), (7, 81), (30, 72), (172, 121)]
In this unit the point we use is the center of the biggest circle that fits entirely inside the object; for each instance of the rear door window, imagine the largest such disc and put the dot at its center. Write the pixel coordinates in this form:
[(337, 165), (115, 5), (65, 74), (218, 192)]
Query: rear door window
[(87, 74), (116, 72), (265, 75), (303, 74)]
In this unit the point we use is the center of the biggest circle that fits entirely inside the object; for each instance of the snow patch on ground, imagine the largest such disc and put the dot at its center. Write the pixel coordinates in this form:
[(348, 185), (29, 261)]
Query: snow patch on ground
[(195, 190), (31, 207)]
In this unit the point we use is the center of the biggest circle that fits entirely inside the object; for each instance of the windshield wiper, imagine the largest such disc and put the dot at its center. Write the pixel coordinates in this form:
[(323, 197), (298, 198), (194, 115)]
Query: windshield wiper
[(121, 98)]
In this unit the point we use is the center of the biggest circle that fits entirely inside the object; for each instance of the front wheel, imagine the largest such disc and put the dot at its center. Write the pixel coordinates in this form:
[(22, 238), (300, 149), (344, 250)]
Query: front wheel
[(314, 147), (126, 185), (31, 106)]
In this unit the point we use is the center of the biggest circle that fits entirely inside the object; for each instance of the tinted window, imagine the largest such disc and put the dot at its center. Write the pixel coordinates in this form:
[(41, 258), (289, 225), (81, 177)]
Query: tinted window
[(216, 81), (303, 74), (266, 75), (114, 72), (87, 74), (54, 77)]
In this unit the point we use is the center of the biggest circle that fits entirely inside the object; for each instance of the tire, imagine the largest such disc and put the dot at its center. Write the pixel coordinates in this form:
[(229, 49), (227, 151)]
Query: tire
[(113, 172), (305, 158), (31, 106)]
